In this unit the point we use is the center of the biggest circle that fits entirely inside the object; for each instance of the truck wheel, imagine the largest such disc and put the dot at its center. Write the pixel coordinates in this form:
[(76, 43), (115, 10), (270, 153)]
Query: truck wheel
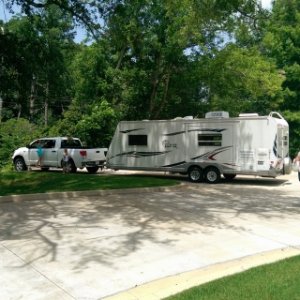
[(195, 174), (20, 164), (71, 166), (229, 176), (212, 175), (92, 170)]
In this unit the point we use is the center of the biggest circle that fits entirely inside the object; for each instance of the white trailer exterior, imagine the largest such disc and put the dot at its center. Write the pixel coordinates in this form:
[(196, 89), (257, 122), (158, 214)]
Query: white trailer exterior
[(204, 148)]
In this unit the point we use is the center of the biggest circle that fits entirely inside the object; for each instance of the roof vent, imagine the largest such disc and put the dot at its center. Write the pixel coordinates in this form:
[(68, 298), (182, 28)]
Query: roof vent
[(217, 115)]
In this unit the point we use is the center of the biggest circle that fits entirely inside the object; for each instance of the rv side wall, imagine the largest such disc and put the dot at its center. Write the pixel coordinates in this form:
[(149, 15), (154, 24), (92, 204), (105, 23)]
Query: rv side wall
[(245, 145)]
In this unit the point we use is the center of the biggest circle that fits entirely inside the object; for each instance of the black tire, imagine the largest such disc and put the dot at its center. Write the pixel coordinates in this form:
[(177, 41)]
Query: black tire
[(70, 167), (229, 176), (212, 175), (92, 170), (20, 164), (195, 174)]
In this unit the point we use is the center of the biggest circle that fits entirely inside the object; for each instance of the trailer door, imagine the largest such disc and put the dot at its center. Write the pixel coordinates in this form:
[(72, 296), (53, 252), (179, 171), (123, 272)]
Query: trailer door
[(282, 142)]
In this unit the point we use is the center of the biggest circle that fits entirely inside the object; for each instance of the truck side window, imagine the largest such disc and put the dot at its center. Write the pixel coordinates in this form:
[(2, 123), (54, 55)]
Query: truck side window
[(137, 140), (210, 139), (37, 143), (49, 144), (70, 143)]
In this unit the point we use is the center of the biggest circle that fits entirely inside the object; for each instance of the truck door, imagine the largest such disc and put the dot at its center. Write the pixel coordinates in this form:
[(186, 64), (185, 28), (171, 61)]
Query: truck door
[(32, 153), (49, 156), (50, 153)]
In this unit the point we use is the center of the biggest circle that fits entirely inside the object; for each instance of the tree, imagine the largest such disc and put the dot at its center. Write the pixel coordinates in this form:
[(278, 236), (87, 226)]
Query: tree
[(95, 127), (15, 133), (282, 43), (84, 12), (34, 78), (242, 80)]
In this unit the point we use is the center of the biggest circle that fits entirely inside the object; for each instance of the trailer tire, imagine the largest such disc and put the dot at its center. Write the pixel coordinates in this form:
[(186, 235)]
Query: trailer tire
[(20, 164), (229, 176), (92, 170), (212, 175), (195, 174)]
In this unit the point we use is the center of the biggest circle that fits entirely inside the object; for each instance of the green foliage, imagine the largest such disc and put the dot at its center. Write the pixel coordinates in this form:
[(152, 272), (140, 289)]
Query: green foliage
[(294, 124), (97, 128), (94, 127), (34, 79), (281, 42), (277, 281), (242, 80), (153, 60), (15, 133)]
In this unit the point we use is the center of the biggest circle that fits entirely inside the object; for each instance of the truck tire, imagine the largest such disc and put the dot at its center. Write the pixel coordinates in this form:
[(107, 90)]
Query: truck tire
[(20, 164), (212, 175), (92, 170), (195, 174), (71, 166)]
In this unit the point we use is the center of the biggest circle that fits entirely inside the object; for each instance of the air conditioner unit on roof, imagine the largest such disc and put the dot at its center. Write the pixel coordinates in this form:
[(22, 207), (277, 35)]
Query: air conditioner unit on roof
[(217, 115)]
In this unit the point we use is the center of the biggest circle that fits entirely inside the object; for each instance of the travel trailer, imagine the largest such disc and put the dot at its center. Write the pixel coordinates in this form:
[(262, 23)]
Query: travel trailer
[(206, 148)]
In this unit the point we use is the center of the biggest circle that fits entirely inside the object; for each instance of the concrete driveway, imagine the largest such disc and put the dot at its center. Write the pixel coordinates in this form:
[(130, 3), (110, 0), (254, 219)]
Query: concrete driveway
[(95, 245)]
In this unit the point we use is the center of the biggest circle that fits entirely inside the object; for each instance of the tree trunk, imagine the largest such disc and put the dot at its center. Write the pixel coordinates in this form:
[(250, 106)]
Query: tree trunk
[(155, 84), (121, 56), (46, 103), (1, 104), (19, 107), (32, 97), (164, 100)]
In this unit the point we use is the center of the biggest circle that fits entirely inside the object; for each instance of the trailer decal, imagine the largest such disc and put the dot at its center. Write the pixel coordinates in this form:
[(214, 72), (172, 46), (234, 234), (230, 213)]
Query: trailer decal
[(208, 129), (210, 155), (191, 130), (138, 154), (275, 146), (174, 133), (175, 165), (131, 130)]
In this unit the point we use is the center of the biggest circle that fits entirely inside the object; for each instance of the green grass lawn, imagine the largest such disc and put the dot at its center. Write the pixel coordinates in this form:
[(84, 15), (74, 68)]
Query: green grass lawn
[(277, 281), (13, 183)]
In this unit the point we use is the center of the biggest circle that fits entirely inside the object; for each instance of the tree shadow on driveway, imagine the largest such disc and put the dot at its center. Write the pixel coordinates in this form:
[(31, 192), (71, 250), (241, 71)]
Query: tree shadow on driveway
[(108, 230)]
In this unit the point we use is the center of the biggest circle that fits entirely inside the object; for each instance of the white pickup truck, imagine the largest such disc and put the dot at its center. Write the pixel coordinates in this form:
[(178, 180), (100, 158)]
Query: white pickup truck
[(53, 148)]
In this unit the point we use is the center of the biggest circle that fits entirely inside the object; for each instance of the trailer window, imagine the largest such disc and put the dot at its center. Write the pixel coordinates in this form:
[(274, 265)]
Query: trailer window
[(137, 140), (208, 139)]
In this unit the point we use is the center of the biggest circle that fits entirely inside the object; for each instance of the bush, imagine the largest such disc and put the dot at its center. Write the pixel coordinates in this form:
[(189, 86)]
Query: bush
[(14, 133)]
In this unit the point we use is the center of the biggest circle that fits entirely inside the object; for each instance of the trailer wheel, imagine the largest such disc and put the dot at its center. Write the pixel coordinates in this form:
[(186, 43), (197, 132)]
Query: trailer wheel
[(212, 175), (92, 170), (20, 164), (229, 176), (195, 174)]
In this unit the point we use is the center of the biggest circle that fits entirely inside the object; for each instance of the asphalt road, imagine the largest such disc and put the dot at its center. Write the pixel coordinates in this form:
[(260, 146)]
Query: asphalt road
[(93, 246)]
